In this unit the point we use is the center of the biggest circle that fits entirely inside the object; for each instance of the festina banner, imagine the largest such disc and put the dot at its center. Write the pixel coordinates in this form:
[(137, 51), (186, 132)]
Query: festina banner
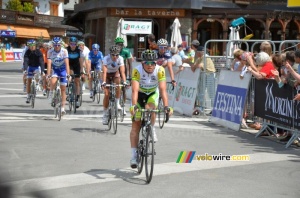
[(136, 27), (230, 99), (276, 104), (8, 33)]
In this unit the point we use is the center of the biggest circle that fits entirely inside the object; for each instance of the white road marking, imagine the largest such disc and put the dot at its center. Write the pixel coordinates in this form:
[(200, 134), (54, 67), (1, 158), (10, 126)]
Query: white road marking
[(81, 179)]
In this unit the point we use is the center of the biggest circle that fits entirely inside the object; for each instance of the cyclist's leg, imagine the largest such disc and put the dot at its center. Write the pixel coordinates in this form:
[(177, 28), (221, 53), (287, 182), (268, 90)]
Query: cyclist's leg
[(63, 83), (117, 80), (44, 79), (76, 71), (106, 100), (91, 80), (30, 71), (152, 103)]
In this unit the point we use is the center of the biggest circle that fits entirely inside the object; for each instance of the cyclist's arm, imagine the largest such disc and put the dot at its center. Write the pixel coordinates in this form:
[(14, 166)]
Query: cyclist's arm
[(135, 86), (26, 60), (67, 66), (81, 64), (104, 69), (170, 68), (122, 70), (49, 62), (163, 92), (42, 64)]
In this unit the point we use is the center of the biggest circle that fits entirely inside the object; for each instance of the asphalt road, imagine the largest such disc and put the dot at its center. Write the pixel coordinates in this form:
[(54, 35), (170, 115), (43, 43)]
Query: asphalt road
[(78, 157)]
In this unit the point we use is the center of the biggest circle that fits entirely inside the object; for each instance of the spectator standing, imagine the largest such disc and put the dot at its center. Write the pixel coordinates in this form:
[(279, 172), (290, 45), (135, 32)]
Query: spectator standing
[(177, 65)]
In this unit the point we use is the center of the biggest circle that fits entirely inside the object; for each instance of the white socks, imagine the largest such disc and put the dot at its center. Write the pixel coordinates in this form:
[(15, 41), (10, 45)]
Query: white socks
[(133, 153)]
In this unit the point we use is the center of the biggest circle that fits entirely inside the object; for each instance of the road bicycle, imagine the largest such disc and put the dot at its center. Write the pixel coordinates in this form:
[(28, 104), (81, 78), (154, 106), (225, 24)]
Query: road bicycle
[(57, 100), (113, 107), (96, 86), (33, 88), (71, 93), (161, 116), (145, 149)]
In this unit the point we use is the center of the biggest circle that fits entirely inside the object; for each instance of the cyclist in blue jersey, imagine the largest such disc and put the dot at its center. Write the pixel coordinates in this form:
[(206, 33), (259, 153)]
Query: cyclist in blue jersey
[(33, 63), (95, 58), (165, 58), (58, 63), (76, 64)]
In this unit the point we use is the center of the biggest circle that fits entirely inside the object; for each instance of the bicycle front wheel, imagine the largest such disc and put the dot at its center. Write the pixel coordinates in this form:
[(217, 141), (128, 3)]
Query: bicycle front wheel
[(58, 104), (98, 91), (74, 97), (140, 152), (115, 119), (80, 96), (161, 113), (109, 119), (122, 104), (33, 93), (70, 98), (149, 154)]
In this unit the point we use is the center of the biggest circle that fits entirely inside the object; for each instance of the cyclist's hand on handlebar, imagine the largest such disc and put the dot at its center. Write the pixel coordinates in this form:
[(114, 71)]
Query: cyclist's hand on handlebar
[(103, 85), (133, 109), (174, 83), (169, 110), (48, 76), (124, 83)]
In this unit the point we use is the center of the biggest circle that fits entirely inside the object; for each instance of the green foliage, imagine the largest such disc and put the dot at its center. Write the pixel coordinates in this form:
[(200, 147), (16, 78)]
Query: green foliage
[(17, 6), (28, 7), (14, 5)]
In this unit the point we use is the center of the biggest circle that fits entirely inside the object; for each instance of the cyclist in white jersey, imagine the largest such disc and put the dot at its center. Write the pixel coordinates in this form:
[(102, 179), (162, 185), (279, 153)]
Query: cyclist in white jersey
[(58, 61), (86, 63), (113, 67)]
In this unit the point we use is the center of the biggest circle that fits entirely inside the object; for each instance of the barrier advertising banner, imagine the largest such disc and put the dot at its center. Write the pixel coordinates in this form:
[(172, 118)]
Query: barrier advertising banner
[(276, 104), (230, 99)]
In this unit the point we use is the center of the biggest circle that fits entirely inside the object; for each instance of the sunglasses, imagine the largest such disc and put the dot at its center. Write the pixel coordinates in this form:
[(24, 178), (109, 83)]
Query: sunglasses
[(150, 63), (73, 44), (95, 50), (114, 55), (120, 44), (31, 45), (56, 45), (162, 47)]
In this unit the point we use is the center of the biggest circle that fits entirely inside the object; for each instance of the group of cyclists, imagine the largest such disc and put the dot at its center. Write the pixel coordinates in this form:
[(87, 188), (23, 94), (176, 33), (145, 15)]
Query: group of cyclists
[(147, 80)]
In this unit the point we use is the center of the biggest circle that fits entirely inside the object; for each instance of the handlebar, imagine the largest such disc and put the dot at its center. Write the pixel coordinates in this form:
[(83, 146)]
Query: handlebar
[(171, 84)]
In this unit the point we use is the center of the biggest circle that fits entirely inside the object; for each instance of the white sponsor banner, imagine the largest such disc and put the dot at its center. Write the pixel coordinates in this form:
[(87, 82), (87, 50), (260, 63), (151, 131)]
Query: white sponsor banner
[(136, 27), (230, 99), (184, 94)]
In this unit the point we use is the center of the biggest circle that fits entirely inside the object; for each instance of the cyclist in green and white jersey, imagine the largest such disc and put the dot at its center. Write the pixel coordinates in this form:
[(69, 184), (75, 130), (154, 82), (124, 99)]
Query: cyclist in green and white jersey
[(127, 56)]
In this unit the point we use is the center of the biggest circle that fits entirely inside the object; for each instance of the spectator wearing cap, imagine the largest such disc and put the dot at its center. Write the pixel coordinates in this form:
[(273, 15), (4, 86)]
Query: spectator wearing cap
[(195, 45), (177, 61), (199, 63)]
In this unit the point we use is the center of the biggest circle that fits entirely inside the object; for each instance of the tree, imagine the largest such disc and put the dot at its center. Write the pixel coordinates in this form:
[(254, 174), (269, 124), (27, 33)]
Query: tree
[(17, 6), (28, 7), (14, 5)]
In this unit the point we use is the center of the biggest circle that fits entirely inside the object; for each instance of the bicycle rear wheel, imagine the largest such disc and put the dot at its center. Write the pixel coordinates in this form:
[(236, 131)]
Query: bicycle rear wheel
[(140, 152), (149, 154), (161, 113), (122, 104)]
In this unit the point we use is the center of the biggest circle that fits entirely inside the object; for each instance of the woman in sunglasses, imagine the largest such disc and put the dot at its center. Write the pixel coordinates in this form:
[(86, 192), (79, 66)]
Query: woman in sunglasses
[(148, 80), (58, 63), (95, 58), (113, 68)]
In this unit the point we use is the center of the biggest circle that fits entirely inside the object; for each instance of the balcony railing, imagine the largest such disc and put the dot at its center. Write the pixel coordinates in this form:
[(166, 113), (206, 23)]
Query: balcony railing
[(21, 18), (259, 2)]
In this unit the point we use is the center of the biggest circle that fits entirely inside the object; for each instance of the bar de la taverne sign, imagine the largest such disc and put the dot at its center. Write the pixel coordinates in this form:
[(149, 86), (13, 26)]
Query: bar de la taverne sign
[(142, 12)]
